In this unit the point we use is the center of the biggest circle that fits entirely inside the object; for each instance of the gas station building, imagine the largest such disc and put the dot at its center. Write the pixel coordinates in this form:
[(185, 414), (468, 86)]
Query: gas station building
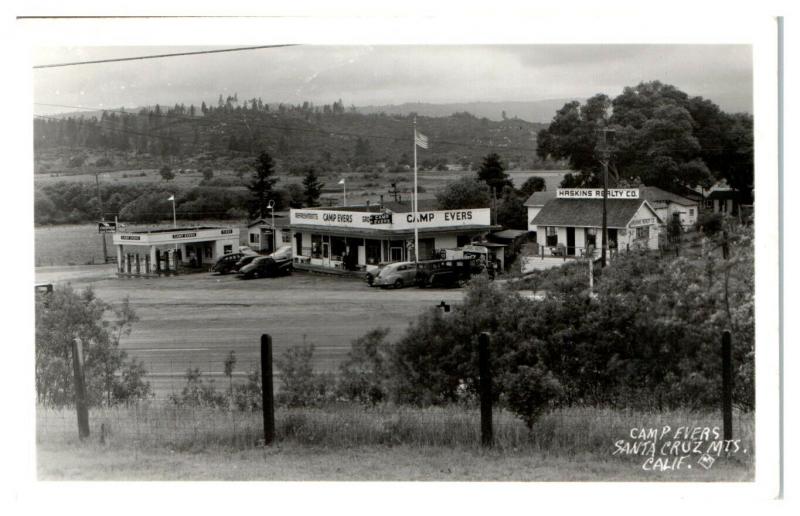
[(163, 250)]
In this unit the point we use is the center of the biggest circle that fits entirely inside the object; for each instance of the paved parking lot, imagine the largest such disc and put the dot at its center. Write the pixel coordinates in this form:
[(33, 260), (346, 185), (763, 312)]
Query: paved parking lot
[(195, 320)]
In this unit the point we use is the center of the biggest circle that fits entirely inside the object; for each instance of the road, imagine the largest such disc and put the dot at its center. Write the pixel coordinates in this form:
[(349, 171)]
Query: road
[(195, 320)]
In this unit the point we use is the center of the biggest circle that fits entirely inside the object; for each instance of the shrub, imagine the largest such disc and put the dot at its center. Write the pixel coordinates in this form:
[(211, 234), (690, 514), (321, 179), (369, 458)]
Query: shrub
[(300, 386), (65, 315), (530, 391), (197, 393), (364, 373), (710, 223)]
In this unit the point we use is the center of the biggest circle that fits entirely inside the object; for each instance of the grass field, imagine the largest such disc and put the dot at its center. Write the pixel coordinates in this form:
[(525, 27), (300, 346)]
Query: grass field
[(352, 443)]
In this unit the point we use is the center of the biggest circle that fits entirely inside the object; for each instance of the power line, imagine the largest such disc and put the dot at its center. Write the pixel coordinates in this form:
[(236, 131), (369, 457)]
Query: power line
[(159, 56)]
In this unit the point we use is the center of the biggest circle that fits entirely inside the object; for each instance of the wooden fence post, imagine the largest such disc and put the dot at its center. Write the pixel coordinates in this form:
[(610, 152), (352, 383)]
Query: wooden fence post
[(727, 387), (267, 399), (487, 436), (80, 389)]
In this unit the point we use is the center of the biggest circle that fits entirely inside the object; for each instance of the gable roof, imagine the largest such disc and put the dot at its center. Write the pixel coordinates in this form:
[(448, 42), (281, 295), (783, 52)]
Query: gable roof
[(654, 194), (540, 198), (589, 212)]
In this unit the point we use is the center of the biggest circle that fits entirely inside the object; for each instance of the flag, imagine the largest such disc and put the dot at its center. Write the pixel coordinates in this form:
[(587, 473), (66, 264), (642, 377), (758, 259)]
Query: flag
[(420, 140), (342, 181), (171, 197)]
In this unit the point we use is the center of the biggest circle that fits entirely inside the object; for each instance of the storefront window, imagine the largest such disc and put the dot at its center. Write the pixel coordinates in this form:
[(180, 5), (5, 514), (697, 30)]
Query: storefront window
[(373, 252), (316, 246), (643, 233), (338, 248), (552, 236)]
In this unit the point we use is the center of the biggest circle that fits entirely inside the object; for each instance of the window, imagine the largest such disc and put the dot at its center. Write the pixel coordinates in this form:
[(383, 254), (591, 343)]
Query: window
[(338, 247), (373, 252), (691, 212), (643, 233), (552, 236), (723, 206), (316, 246), (709, 204), (286, 237), (227, 249), (253, 238)]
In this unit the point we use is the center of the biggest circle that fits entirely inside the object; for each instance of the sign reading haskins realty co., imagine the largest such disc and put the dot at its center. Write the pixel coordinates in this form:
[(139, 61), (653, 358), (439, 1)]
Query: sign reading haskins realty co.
[(425, 219), (597, 193)]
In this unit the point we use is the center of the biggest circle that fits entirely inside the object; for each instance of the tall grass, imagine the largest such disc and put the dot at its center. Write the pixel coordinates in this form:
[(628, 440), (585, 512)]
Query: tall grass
[(562, 432)]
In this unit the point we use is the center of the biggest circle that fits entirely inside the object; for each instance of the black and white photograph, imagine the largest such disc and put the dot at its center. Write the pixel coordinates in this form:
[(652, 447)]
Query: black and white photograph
[(359, 257)]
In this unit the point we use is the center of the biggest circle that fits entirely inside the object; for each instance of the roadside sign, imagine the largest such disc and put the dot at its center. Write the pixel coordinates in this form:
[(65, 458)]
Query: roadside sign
[(106, 227)]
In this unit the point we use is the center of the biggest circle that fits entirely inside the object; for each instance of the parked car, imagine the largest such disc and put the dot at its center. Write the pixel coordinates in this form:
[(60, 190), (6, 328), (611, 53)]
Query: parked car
[(266, 267), (227, 263), (444, 273), (397, 275), (245, 260)]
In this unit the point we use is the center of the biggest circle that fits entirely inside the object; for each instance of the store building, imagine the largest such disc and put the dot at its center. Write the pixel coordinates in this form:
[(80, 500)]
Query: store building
[(354, 237), (571, 224), (669, 205), (164, 250), (260, 233)]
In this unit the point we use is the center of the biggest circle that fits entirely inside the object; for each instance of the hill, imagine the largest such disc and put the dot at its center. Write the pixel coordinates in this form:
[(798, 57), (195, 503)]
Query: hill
[(328, 137)]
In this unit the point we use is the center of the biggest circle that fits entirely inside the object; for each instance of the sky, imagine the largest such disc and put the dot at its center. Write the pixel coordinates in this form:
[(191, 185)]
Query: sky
[(378, 75)]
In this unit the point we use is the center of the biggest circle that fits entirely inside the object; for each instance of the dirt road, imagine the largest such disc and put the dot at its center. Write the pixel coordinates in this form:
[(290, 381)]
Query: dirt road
[(195, 320)]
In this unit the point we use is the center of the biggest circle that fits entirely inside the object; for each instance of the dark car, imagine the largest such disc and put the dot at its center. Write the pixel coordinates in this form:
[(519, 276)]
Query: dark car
[(244, 261), (227, 263), (444, 273), (266, 267)]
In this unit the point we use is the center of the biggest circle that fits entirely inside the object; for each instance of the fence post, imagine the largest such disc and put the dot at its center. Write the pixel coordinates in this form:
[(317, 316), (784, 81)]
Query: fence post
[(80, 389), (727, 387), (267, 400), (487, 437)]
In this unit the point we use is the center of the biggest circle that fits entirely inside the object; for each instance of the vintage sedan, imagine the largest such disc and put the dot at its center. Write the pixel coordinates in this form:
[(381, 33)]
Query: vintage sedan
[(397, 275)]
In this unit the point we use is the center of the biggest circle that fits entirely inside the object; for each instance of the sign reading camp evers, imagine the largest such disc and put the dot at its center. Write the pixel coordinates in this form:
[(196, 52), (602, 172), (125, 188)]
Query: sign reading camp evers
[(357, 219), (597, 193)]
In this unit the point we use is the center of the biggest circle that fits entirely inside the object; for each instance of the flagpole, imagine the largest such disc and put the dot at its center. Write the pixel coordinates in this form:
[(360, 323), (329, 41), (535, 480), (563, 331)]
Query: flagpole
[(416, 229)]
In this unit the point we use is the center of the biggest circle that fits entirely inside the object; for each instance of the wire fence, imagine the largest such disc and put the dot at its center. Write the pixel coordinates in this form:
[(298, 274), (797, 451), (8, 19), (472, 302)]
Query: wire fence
[(567, 431)]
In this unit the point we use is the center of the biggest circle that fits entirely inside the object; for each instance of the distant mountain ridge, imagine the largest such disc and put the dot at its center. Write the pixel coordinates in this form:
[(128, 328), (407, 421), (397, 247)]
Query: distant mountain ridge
[(537, 111)]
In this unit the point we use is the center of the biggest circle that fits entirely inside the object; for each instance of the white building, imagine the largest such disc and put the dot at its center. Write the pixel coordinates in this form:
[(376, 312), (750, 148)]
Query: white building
[(668, 205), (354, 237), (161, 250), (570, 226)]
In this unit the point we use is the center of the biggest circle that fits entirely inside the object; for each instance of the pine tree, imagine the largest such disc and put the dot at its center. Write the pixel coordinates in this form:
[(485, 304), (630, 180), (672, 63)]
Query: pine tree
[(261, 187), (312, 187), (493, 173)]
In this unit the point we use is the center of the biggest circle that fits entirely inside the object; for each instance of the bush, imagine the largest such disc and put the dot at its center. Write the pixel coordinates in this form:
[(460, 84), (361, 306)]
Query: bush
[(710, 223), (166, 173), (300, 386), (197, 393), (364, 373), (110, 379), (530, 391)]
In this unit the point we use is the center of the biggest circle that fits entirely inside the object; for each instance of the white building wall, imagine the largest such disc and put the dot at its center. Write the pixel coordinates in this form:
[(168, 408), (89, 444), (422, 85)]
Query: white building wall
[(532, 212)]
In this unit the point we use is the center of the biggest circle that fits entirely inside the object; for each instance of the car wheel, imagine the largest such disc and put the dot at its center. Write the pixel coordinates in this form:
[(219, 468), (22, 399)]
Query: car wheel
[(398, 284)]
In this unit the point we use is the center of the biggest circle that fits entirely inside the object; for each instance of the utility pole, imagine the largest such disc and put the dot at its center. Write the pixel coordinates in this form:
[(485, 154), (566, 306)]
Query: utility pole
[(394, 191), (102, 215), (605, 154)]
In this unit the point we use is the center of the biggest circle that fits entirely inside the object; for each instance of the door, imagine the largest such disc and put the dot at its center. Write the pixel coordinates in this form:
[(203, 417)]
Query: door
[(612, 239), (571, 241)]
